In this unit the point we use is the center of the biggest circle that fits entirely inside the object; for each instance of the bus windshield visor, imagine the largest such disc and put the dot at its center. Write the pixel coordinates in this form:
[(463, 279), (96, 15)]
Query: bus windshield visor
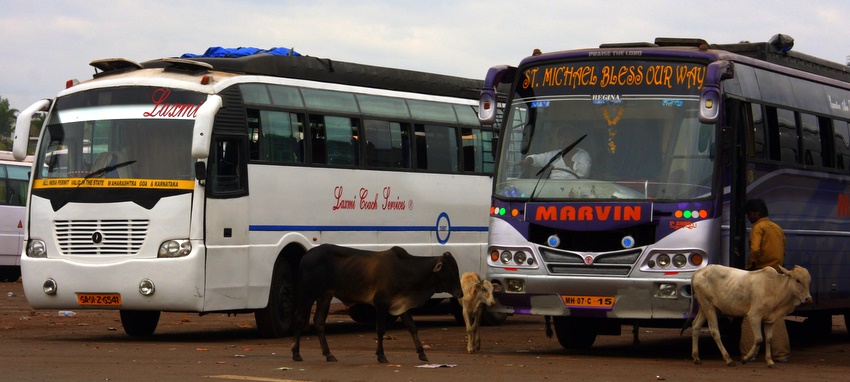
[(620, 142), (120, 139)]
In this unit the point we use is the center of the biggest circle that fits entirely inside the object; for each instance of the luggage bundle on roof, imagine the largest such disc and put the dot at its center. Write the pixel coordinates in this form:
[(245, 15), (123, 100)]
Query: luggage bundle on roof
[(219, 52)]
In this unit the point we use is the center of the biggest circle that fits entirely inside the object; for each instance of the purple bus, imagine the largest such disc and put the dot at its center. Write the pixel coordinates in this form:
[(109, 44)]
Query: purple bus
[(665, 142)]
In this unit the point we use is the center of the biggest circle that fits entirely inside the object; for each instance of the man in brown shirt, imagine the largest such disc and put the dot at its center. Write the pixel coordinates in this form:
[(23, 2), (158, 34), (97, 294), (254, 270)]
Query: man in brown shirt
[(767, 249)]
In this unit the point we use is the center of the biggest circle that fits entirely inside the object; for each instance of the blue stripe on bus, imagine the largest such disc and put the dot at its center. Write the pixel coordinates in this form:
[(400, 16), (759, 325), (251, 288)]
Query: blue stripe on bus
[(358, 228)]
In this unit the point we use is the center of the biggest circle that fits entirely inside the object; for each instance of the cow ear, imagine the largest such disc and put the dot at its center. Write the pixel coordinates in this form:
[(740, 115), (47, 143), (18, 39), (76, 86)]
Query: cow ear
[(438, 266)]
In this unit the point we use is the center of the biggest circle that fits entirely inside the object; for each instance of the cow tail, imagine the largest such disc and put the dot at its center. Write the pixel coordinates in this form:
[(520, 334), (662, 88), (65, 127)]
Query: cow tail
[(548, 320)]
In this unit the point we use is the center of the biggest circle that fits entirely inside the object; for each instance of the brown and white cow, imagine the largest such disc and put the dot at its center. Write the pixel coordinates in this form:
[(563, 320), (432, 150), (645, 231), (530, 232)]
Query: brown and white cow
[(393, 281), (764, 296), (476, 294)]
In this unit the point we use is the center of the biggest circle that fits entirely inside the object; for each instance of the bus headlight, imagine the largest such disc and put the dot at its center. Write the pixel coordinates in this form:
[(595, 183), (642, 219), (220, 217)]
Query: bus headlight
[(175, 248), (663, 261), (36, 248), (520, 257), (506, 257), (680, 261)]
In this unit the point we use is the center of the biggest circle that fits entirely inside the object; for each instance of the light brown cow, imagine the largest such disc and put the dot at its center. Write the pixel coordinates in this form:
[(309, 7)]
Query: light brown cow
[(765, 296), (476, 293)]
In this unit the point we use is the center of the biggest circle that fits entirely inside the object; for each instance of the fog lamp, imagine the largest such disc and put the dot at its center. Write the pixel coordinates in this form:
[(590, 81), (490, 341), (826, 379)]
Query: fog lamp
[(50, 287), (36, 248), (666, 290), (515, 286), (146, 287)]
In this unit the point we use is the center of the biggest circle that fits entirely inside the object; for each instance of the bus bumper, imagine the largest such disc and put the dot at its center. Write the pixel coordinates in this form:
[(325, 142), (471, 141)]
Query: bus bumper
[(178, 282), (659, 298)]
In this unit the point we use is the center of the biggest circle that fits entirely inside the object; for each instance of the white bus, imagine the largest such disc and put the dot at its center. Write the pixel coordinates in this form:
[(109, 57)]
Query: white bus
[(196, 185), (14, 177)]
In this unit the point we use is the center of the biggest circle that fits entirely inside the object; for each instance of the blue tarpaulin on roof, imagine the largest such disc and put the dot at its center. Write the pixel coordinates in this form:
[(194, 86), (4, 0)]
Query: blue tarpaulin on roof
[(218, 52)]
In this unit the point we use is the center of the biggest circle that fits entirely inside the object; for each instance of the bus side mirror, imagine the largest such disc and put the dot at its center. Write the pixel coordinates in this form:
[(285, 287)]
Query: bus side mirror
[(709, 105), (202, 131), (200, 171), (488, 102), (22, 128)]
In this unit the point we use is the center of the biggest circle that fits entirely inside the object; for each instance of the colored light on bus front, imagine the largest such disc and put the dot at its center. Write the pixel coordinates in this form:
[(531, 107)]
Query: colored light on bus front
[(500, 211), (687, 214)]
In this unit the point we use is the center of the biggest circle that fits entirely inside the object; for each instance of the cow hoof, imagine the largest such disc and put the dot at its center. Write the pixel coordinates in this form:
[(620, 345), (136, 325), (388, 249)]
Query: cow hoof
[(697, 362), (382, 359), (297, 358), (730, 363), (423, 358), (771, 365), (330, 358)]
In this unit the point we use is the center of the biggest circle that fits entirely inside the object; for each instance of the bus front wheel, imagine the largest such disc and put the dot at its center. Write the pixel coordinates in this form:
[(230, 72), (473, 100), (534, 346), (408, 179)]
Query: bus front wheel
[(139, 323), (575, 332), (275, 320)]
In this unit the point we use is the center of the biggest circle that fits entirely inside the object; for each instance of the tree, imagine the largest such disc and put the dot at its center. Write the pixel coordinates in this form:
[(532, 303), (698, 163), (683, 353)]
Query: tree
[(7, 121)]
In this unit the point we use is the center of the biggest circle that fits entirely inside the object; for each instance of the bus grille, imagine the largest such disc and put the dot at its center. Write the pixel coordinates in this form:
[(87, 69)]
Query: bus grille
[(606, 264), (101, 237)]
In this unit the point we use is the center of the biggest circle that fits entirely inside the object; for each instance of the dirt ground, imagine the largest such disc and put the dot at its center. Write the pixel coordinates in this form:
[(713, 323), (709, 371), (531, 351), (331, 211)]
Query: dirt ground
[(40, 345)]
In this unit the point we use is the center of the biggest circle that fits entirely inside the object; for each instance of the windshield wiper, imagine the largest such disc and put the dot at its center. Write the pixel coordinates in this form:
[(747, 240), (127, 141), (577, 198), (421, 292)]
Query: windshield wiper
[(106, 170), (555, 157)]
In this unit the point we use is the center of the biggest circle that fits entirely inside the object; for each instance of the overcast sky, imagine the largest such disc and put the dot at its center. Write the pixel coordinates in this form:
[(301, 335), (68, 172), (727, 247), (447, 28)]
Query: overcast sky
[(49, 42)]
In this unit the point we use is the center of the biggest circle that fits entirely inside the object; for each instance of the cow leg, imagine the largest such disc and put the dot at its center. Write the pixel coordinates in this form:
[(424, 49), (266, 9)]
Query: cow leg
[(381, 313), (755, 323), (768, 339), (302, 312), (475, 327), (467, 320), (711, 317), (323, 306), (407, 318), (699, 320)]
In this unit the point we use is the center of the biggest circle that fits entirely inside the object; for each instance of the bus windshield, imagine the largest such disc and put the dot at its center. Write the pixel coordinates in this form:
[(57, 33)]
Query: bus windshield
[(131, 140), (640, 145)]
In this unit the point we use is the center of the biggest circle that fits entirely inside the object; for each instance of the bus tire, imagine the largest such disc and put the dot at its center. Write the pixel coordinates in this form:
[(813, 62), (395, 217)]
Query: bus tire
[(819, 325), (139, 323), (275, 320), (575, 332)]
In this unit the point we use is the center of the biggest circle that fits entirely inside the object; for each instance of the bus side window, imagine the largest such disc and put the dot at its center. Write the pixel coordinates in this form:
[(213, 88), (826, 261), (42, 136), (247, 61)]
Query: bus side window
[(788, 136), (276, 136), (387, 144), (810, 136), (436, 148), (228, 167), (335, 140), (842, 144), (757, 143), (477, 150)]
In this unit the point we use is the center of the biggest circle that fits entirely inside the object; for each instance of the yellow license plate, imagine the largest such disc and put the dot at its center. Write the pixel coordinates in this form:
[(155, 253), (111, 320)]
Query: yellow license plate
[(603, 302), (99, 299)]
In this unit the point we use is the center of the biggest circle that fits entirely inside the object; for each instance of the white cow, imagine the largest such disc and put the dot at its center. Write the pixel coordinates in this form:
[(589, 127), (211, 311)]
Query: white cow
[(765, 296), (476, 293)]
